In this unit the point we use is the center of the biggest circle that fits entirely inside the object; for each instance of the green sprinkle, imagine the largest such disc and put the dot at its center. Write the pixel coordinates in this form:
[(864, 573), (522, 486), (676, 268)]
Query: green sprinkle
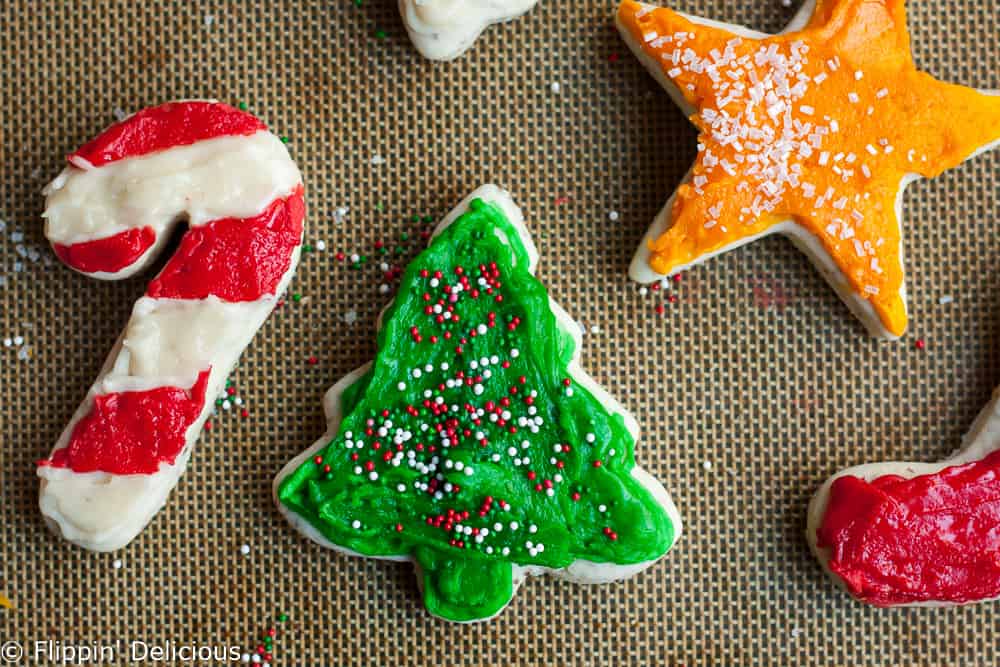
[(378, 206), (404, 236), (306, 247), (428, 218), (284, 140), (296, 297), (380, 34), (416, 218), (242, 106), (284, 617)]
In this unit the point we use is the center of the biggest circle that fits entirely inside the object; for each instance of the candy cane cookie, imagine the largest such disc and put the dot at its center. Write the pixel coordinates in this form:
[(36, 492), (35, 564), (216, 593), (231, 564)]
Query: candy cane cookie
[(107, 215), (445, 29), (916, 534)]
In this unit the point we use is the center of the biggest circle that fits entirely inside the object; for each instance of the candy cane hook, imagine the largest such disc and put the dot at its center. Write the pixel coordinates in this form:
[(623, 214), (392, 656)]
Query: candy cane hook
[(107, 216)]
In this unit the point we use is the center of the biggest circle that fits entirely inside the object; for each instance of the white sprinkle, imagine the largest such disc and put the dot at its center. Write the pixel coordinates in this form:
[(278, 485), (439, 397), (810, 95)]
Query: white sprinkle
[(871, 149), (882, 92), (245, 549), (613, 216), (707, 465), (859, 75), (807, 110), (209, 20), (355, 524), (853, 97), (555, 87), (320, 245), (401, 386), (377, 160), (117, 564), (946, 299)]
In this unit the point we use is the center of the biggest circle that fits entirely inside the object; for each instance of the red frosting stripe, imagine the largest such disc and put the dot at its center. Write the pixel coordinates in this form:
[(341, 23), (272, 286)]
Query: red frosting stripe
[(132, 432), (930, 538), (110, 254), (235, 259), (166, 126)]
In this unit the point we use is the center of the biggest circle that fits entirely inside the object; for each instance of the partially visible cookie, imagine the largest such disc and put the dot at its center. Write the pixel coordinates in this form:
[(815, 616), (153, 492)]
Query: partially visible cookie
[(916, 534), (445, 29)]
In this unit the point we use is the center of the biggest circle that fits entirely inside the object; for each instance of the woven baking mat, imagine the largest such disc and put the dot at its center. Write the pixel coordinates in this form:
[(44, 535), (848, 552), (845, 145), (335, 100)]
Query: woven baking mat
[(752, 386)]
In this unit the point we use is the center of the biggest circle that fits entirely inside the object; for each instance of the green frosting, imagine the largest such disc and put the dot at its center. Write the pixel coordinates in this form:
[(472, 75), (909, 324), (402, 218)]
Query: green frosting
[(472, 453)]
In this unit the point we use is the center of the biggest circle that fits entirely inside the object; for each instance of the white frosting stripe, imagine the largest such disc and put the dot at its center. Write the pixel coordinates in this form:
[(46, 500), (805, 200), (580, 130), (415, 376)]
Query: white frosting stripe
[(226, 177)]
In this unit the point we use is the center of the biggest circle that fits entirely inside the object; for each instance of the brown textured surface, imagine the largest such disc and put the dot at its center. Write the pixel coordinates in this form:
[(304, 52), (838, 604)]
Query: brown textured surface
[(776, 396)]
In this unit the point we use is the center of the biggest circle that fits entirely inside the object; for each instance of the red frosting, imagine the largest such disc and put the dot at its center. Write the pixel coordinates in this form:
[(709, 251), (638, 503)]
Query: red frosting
[(132, 432), (168, 125), (110, 254), (235, 259), (934, 537)]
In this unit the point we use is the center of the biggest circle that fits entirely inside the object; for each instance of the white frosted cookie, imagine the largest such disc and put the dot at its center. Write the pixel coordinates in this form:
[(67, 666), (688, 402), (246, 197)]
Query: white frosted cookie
[(108, 215), (475, 446), (812, 133), (916, 534), (445, 29)]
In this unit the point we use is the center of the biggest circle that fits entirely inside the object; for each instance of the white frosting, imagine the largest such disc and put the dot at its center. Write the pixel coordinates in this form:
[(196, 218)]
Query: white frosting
[(208, 180), (579, 571), (640, 270), (445, 29), (167, 342), (177, 337), (982, 439)]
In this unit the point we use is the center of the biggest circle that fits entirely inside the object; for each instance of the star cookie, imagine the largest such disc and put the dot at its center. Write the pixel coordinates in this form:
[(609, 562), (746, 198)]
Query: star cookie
[(812, 133)]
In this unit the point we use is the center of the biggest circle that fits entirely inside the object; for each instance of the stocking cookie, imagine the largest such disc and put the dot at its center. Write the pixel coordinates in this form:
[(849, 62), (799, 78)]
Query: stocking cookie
[(474, 445), (107, 216), (916, 534), (812, 133), (445, 29)]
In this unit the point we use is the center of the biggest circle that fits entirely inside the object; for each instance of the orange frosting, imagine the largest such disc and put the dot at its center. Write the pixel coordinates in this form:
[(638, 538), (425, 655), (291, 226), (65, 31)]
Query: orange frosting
[(817, 127)]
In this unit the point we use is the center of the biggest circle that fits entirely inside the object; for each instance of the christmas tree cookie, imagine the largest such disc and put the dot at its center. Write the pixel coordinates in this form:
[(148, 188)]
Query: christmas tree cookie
[(474, 445)]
